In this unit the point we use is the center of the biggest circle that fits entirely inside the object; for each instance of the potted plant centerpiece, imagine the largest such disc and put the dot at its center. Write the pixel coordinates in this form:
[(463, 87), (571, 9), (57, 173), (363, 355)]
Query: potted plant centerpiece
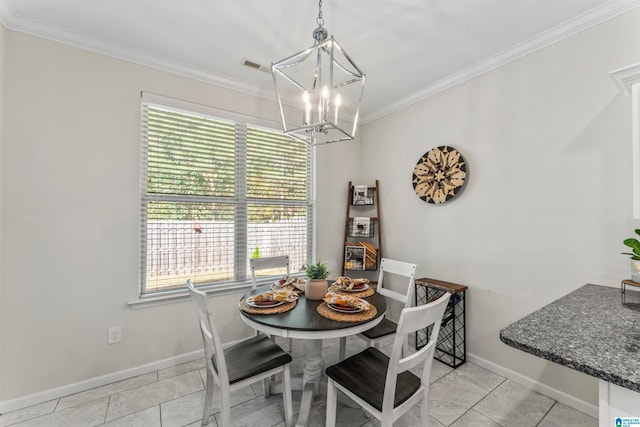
[(317, 285), (634, 244)]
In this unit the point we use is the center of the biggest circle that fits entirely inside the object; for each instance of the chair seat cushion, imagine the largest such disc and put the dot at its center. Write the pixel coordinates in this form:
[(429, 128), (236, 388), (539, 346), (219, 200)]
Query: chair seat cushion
[(382, 329), (252, 357), (365, 375)]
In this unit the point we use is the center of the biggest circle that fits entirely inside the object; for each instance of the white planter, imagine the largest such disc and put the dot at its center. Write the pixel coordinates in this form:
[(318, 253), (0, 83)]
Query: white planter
[(317, 288), (635, 270)]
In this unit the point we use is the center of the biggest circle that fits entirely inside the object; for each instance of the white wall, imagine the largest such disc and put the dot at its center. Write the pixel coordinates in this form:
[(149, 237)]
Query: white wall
[(336, 167), (2, 320), (548, 142), (547, 205), (70, 217)]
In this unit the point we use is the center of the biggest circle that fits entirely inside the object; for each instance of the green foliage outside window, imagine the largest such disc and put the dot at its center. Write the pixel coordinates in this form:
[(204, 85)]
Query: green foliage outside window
[(195, 156)]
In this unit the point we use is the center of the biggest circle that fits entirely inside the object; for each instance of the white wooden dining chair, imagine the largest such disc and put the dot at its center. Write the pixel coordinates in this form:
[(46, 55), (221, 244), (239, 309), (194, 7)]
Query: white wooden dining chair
[(244, 363), (387, 327), (278, 264), (383, 385)]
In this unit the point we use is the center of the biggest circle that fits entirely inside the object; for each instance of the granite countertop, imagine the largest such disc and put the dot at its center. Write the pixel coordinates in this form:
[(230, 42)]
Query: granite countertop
[(589, 330)]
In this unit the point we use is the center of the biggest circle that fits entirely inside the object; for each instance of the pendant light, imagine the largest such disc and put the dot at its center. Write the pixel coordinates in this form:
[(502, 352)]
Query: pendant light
[(319, 90)]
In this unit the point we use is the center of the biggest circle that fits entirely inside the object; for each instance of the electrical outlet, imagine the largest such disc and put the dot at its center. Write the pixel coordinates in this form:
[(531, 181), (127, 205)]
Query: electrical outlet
[(115, 335)]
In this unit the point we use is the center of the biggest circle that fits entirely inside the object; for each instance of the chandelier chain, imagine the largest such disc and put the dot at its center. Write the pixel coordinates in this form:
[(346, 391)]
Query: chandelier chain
[(320, 19)]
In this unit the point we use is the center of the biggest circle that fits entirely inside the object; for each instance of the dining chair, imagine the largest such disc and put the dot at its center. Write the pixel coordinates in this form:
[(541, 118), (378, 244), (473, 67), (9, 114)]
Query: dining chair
[(244, 363), (383, 385), (280, 263), (387, 327)]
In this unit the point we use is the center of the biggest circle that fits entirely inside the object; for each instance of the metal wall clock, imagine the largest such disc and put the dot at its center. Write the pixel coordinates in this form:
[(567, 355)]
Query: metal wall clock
[(439, 175)]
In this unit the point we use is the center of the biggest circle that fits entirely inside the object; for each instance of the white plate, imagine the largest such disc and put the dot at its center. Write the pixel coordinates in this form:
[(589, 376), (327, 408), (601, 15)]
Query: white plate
[(364, 288), (273, 304), (285, 288), (340, 310)]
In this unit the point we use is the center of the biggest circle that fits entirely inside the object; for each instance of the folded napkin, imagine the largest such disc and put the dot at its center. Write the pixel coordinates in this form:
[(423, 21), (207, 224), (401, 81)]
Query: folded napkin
[(275, 296), (349, 283), (287, 281), (346, 301)]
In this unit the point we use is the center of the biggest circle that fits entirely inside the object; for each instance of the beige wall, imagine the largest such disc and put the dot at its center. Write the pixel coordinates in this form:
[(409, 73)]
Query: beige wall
[(70, 208), (548, 142), (2, 288), (547, 205)]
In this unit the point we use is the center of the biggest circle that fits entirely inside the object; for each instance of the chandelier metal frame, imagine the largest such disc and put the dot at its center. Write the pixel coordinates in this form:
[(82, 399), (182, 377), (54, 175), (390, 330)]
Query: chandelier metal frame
[(319, 90)]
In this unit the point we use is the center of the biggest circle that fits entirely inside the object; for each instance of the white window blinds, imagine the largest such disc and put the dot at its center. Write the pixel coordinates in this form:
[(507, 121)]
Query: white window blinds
[(213, 194)]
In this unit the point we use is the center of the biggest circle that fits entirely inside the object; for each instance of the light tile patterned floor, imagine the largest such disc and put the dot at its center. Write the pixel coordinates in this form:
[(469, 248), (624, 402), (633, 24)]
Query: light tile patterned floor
[(469, 396)]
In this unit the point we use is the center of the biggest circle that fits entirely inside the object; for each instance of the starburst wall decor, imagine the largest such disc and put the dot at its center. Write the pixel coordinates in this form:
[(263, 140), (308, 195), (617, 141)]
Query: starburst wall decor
[(439, 175)]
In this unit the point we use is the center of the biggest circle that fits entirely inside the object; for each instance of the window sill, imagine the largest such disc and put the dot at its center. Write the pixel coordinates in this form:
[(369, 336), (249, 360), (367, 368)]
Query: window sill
[(183, 295)]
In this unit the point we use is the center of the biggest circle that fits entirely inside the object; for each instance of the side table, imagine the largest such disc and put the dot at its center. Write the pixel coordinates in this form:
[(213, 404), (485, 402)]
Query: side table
[(623, 287), (451, 347)]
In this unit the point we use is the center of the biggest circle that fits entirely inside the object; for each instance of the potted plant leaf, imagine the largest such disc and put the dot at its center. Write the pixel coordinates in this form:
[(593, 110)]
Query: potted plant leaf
[(317, 284), (634, 244)]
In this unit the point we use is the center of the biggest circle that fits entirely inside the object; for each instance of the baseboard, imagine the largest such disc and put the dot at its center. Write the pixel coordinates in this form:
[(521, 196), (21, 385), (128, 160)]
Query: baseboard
[(534, 385), (66, 390)]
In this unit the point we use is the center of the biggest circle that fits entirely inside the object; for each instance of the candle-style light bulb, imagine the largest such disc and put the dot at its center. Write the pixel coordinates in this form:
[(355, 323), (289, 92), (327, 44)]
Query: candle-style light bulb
[(307, 108), (325, 104), (337, 102)]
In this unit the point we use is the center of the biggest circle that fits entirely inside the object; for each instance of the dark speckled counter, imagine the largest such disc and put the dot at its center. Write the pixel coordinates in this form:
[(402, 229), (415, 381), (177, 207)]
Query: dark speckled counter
[(589, 330)]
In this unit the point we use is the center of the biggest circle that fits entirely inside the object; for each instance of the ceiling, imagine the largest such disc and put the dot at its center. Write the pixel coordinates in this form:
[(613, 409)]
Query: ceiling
[(409, 49)]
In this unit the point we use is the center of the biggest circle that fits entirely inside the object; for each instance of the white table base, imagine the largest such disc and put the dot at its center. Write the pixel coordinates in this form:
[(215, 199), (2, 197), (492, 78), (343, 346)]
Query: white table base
[(311, 376), (313, 369)]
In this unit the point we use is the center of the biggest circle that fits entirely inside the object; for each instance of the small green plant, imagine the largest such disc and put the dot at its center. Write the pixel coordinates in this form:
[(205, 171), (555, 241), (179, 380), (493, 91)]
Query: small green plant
[(256, 253), (317, 271), (634, 244)]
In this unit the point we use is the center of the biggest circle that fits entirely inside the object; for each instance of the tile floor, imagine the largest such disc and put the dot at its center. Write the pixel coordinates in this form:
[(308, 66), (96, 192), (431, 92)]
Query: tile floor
[(469, 396)]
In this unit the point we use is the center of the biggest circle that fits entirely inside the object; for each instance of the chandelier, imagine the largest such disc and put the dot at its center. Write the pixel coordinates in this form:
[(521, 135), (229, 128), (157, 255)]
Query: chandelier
[(319, 90)]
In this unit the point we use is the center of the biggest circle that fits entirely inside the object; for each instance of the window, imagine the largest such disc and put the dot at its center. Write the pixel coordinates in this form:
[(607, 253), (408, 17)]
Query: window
[(214, 193)]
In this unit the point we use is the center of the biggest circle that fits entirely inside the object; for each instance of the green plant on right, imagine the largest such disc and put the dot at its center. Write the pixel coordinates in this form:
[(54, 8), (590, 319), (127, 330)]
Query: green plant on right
[(317, 271), (634, 244)]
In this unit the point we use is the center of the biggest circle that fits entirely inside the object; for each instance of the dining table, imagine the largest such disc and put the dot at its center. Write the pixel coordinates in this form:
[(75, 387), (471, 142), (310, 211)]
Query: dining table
[(306, 322)]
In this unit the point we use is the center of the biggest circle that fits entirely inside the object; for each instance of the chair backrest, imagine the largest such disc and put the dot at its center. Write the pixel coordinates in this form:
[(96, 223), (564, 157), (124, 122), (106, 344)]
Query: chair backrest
[(399, 268), (210, 336), (267, 263), (411, 320)]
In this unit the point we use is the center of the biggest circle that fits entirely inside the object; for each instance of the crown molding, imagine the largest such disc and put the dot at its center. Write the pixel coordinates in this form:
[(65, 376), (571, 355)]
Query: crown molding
[(626, 77), (14, 22), (5, 13), (598, 15), (585, 21)]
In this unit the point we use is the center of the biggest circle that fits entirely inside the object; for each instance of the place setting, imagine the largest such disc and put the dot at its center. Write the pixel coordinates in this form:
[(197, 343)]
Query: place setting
[(270, 302), (358, 288), (287, 283), (346, 308)]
